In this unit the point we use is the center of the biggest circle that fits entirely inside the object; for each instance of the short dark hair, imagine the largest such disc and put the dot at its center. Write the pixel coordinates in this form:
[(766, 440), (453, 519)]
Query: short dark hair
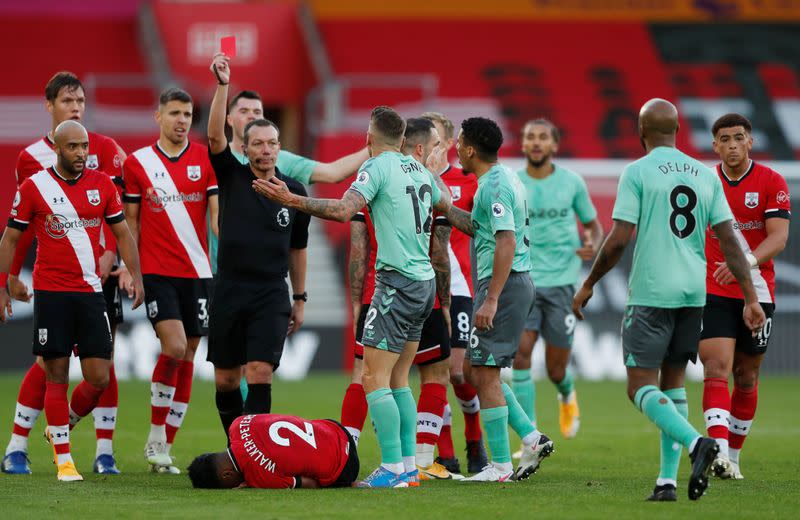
[(438, 117), (174, 94), (244, 94), (388, 122), (418, 130), (61, 80), (484, 135), (258, 122), (203, 472), (729, 121), (554, 133)]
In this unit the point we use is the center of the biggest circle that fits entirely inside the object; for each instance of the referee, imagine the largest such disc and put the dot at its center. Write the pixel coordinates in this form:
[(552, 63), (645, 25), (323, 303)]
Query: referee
[(259, 241)]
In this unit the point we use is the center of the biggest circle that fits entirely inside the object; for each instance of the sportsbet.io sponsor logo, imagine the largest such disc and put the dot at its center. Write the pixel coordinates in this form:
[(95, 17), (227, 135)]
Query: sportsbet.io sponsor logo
[(157, 199), (57, 226)]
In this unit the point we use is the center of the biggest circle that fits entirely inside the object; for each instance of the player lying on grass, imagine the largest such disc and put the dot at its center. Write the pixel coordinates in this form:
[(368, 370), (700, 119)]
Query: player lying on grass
[(280, 451)]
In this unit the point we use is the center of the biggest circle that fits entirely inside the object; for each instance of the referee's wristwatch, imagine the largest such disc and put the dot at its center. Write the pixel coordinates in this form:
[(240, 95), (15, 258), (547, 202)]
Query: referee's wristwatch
[(298, 297)]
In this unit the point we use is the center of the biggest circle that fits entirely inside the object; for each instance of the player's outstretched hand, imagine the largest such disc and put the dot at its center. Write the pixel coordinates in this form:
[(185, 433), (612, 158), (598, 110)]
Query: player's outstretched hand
[(18, 290), (138, 292), (297, 317), (274, 189), (484, 318), (754, 317), (582, 297), (221, 68), (5, 305), (588, 250), (723, 275)]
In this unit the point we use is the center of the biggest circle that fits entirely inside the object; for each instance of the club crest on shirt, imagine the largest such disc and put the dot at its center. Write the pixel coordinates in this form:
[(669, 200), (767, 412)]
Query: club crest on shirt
[(193, 172), (152, 309), (751, 199), (456, 191), (93, 196), (283, 217), (42, 336), (91, 162)]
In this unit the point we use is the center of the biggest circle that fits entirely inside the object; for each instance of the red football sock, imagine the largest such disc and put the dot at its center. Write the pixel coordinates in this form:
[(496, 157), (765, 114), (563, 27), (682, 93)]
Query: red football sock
[(354, 410), (468, 398), (430, 412), (716, 407), (30, 401), (105, 413), (445, 441), (743, 408), (84, 399), (183, 392), (162, 389), (56, 408)]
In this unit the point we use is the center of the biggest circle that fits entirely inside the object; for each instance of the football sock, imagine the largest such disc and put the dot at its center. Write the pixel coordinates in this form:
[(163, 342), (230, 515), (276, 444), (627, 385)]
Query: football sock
[(30, 403), (717, 410), (670, 449), (661, 410), (229, 407), (445, 441), (407, 409), (525, 391), (84, 399), (105, 416), (354, 410), (259, 398), (743, 409), (386, 421), (430, 417), (495, 421), (243, 388), (566, 385), (56, 409), (517, 418), (162, 391), (467, 397), (183, 392)]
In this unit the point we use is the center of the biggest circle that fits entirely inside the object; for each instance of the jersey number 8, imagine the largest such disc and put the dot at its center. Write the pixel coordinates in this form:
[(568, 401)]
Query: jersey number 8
[(682, 207)]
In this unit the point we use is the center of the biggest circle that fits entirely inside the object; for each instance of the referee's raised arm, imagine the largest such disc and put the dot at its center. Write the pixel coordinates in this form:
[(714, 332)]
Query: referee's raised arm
[(217, 142)]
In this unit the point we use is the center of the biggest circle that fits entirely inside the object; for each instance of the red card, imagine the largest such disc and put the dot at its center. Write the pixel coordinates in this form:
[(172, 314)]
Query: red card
[(227, 45)]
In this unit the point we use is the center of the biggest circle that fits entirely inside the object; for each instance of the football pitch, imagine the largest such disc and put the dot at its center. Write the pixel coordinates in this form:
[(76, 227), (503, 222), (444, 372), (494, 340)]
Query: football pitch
[(604, 473)]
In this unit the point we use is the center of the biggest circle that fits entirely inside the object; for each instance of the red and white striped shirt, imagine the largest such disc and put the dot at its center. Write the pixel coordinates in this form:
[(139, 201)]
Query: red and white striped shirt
[(173, 196), (67, 217), (462, 188)]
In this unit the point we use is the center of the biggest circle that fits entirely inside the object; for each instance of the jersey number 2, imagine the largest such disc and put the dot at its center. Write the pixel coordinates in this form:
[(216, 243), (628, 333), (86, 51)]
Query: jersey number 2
[(307, 436)]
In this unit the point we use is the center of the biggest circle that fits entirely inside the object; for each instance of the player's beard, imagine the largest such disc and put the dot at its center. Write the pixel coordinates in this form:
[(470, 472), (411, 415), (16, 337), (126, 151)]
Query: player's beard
[(72, 170), (541, 162)]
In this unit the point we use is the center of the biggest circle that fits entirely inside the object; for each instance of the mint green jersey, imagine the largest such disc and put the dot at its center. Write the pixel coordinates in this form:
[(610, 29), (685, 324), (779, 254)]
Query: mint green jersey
[(554, 202), (500, 206), (292, 165), (401, 194), (672, 199)]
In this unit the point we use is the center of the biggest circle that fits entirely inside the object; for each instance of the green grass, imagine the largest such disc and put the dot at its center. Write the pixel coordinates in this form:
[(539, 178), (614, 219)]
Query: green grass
[(605, 473)]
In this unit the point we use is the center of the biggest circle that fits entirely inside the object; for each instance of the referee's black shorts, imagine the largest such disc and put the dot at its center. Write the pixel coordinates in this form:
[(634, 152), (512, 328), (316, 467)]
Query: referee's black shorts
[(248, 322)]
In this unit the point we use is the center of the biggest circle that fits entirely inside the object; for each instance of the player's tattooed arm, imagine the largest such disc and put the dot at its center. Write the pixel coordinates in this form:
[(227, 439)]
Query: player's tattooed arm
[(609, 255), (357, 267), (340, 169), (461, 220), (440, 260), (340, 210)]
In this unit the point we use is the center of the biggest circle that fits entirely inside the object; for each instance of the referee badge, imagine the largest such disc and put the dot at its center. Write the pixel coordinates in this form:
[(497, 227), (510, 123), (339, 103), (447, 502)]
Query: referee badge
[(751, 199), (283, 217)]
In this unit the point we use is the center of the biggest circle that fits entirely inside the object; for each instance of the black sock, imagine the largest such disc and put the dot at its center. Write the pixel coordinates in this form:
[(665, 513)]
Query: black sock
[(229, 406), (259, 399)]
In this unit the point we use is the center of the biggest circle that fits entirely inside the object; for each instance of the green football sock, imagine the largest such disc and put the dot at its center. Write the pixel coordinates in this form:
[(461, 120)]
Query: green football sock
[(525, 391), (408, 420), (495, 422), (386, 420), (243, 388), (670, 449), (566, 385), (517, 418), (661, 410)]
